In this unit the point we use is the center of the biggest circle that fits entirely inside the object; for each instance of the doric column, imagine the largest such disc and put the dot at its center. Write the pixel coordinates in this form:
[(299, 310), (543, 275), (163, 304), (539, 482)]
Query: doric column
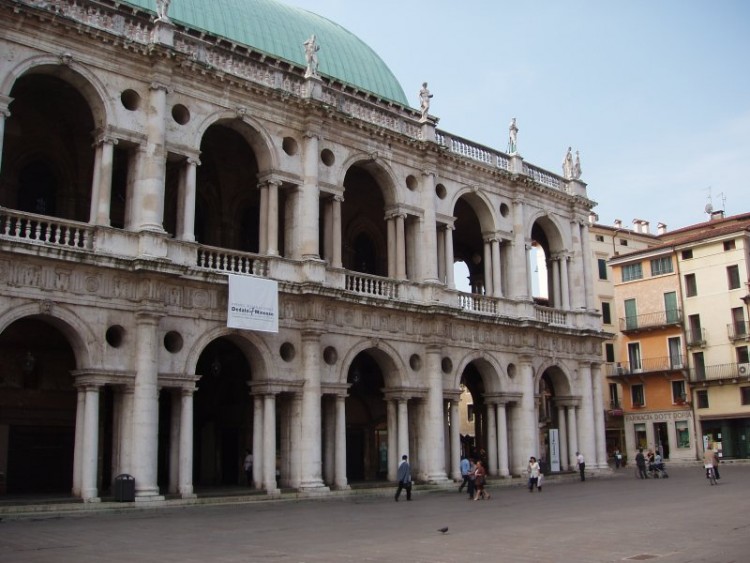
[(4, 114), (489, 286), (502, 440), (491, 439), (599, 429), (496, 271), (563, 437), (328, 414), (185, 478), (564, 285), (311, 477), (393, 455), (186, 200), (269, 443), (572, 436), (148, 206), (78, 448), (89, 466), (455, 467), (174, 440), (450, 281), (400, 247), (258, 457), (526, 435), (428, 239), (433, 463), (127, 393), (586, 424), (292, 448), (339, 478), (101, 189), (403, 428), (146, 408)]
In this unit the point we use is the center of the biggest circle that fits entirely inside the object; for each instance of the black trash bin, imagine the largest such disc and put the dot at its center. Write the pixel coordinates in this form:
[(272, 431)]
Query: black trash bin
[(124, 488)]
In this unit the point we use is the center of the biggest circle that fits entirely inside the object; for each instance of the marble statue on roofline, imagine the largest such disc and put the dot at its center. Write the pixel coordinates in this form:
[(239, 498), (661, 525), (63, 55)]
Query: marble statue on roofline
[(513, 137), (424, 100), (162, 9), (311, 57), (567, 165)]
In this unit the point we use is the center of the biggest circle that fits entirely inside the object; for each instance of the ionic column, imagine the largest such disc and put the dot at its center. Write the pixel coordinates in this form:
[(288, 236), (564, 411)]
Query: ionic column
[(563, 438), (311, 474), (496, 273), (599, 428), (502, 440), (336, 233), (269, 443), (450, 281), (78, 449), (4, 114), (89, 466), (391, 227), (573, 436), (174, 441), (428, 240), (272, 238), (309, 210), (186, 201), (400, 247), (339, 477), (455, 468), (185, 478), (148, 206), (587, 282), (393, 455), (146, 408), (101, 189), (403, 429), (263, 219), (258, 457), (487, 259), (564, 285), (491, 440), (555, 296)]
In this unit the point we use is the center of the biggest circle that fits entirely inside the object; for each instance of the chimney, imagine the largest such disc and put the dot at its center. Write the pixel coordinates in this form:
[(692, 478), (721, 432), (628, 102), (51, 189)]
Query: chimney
[(618, 224), (661, 228), (716, 215), (593, 218), (638, 225), (645, 227)]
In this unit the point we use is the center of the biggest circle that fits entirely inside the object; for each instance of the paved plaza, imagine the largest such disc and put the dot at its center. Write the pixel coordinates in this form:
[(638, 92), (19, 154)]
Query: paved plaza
[(621, 518)]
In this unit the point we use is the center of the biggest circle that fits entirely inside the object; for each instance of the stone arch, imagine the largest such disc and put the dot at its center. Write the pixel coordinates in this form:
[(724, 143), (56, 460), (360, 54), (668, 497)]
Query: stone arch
[(550, 225), (75, 330), (480, 204), (493, 376), (383, 174), (77, 75), (387, 358), (255, 350), (559, 376), (256, 136)]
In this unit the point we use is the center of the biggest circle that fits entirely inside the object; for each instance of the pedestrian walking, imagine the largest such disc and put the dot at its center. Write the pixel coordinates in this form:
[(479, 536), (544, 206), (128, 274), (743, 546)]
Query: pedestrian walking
[(480, 480), (471, 486), (534, 472), (404, 478), (581, 465), (640, 462), (465, 465), (618, 458)]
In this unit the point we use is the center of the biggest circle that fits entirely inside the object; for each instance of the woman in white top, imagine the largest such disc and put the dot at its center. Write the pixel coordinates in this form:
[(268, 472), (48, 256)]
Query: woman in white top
[(534, 473)]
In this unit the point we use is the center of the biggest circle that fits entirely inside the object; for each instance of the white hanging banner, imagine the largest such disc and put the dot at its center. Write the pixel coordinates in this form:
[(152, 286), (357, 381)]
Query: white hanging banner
[(554, 449), (253, 304)]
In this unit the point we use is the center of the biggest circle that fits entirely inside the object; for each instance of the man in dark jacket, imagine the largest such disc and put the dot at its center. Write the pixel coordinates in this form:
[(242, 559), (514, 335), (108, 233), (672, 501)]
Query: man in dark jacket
[(404, 478), (640, 461)]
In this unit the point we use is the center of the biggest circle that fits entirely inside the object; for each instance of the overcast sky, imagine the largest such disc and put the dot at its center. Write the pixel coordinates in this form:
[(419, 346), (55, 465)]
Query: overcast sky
[(654, 94)]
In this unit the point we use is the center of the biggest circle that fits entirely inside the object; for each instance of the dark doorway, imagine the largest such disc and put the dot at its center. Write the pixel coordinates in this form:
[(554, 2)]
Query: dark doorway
[(661, 438), (40, 459)]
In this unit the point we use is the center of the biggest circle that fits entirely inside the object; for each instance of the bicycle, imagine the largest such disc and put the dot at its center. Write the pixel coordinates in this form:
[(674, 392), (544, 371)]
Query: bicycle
[(710, 474)]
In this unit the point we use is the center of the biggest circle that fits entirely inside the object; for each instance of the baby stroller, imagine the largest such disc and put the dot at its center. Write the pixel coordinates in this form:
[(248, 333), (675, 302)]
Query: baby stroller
[(657, 470)]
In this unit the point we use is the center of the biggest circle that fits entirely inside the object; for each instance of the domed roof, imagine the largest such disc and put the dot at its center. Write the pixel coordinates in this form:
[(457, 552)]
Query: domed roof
[(280, 30)]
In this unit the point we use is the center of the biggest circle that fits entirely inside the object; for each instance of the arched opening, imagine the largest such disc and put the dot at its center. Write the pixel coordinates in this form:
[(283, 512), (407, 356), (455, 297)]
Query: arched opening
[(469, 246), (37, 408), (222, 415), (366, 421), (47, 156), (548, 265), (551, 387), (471, 408), (365, 239)]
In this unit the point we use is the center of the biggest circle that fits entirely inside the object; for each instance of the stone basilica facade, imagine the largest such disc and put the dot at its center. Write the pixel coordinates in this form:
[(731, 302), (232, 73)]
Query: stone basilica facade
[(149, 152)]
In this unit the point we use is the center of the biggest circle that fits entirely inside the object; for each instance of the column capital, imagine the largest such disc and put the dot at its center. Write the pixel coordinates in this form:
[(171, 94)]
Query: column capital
[(428, 172), (269, 181), (5, 102), (193, 161), (338, 197), (157, 85), (103, 137)]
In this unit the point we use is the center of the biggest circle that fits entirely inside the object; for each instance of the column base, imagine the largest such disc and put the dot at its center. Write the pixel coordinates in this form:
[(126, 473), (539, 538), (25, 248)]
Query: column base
[(437, 478), (92, 499), (313, 487), (343, 487), (273, 492), (189, 495), (148, 496)]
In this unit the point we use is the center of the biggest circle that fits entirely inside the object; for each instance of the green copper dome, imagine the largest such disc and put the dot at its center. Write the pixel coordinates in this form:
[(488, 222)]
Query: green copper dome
[(280, 30)]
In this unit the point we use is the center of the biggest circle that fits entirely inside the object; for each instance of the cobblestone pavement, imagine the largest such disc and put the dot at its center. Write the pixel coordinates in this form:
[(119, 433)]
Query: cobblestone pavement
[(680, 519)]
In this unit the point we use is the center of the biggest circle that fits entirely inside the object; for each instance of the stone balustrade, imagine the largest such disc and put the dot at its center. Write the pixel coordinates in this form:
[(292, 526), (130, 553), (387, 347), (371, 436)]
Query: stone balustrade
[(42, 229)]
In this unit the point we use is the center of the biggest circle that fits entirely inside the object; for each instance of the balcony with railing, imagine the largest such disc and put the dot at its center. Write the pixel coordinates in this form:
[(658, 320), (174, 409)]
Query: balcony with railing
[(44, 230), (646, 365), (695, 338), (651, 321), (720, 373), (738, 330)]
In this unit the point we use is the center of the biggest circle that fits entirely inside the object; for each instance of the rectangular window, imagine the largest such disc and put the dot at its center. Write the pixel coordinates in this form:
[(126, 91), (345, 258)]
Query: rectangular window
[(742, 355), (683, 434), (701, 397), (606, 313), (738, 321), (599, 238), (691, 286), (661, 266), (623, 242), (733, 277), (687, 254), (640, 435), (634, 356), (602, 268), (609, 352), (695, 332), (614, 397), (745, 395), (730, 245), (636, 395), (700, 366), (674, 345), (678, 392), (670, 307), (631, 314), (632, 272)]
